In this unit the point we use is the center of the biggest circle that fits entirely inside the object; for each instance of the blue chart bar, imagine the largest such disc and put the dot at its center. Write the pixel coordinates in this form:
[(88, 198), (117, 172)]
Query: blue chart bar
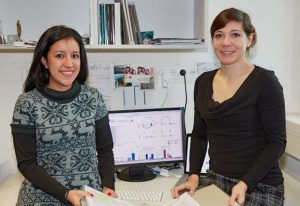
[(146, 156), (152, 156), (132, 156)]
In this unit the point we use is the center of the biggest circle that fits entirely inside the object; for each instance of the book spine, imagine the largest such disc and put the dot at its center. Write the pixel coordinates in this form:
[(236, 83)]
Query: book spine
[(137, 25), (124, 35), (99, 24), (118, 39), (93, 23), (112, 22), (108, 21), (127, 37), (127, 17), (132, 21), (103, 24)]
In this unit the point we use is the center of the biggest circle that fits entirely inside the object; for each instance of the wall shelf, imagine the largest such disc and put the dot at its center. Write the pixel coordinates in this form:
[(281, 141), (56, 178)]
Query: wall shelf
[(120, 48), (147, 48)]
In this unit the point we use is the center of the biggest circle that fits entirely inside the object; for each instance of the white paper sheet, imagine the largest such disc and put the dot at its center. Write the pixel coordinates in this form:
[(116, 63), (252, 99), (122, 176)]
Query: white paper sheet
[(183, 200), (100, 77), (101, 199)]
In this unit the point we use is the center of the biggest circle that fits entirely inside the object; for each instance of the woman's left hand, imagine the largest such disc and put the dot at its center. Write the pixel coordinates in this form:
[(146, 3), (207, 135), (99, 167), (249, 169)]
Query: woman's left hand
[(110, 192), (238, 193)]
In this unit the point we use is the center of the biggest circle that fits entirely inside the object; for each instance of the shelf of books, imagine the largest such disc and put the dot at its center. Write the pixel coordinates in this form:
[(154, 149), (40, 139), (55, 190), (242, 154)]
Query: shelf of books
[(115, 25)]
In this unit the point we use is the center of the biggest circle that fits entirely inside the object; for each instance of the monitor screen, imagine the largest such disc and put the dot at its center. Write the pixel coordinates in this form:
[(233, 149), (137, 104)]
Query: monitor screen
[(205, 165), (147, 136), (203, 173)]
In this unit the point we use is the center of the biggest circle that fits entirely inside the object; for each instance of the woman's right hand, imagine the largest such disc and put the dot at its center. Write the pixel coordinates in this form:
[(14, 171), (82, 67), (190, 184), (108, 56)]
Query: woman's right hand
[(191, 185), (74, 197)]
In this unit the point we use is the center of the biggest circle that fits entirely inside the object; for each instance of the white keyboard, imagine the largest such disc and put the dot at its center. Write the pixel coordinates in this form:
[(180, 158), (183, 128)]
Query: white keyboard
[(140, 195)]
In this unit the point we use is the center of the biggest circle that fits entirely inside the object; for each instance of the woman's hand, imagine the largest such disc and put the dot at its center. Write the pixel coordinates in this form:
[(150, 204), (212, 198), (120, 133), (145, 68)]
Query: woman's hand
[(238, 193), (191, 185), (110, 192), (74, 196)]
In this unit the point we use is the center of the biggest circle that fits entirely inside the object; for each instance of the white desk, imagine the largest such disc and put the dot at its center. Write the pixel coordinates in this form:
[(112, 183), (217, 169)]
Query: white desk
[(163, 184), (208, 196), (211, 196)]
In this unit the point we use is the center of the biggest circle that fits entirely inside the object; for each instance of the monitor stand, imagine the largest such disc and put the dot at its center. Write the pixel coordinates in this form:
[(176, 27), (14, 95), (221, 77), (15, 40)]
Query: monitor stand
[(136, 174)]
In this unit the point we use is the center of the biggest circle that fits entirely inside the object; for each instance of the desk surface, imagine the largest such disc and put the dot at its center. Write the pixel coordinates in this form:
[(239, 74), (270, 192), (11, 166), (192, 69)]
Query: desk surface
[(211, 196), (207, 196), (163, 184)]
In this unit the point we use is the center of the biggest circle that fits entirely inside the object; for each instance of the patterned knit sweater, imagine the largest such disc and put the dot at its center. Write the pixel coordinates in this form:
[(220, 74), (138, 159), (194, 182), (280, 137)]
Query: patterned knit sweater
[(56, 142)]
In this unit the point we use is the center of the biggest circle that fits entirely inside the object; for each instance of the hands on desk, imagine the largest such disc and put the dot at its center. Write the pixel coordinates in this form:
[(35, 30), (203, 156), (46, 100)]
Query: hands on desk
[(110, 192), (190, 185), (73, 196), (238, 194), (237, 197)]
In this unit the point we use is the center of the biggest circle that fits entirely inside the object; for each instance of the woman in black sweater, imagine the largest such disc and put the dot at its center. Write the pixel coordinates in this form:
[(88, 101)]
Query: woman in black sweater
[(239, 110)]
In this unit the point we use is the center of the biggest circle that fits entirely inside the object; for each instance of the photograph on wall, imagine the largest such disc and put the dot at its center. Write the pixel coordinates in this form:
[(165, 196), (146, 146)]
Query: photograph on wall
[(120, 74), (132, 76)]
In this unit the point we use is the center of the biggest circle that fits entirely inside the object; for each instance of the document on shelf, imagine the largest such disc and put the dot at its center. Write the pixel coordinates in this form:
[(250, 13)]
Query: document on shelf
[(177, 41), (183, 200), (101, 199)]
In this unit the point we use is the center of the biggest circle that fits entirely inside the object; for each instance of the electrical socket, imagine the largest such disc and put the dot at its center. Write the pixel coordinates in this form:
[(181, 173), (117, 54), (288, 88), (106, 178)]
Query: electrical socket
[(173, 73), (162, 78)]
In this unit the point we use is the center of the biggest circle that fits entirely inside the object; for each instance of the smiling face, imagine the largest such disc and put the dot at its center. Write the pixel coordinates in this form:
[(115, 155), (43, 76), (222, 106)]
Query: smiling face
[(230, 43), (63, 63)]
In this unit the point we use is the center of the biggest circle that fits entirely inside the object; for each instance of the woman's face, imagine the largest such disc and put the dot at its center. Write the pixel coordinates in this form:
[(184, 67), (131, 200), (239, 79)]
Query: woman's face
[(63, 63), (230, 43)]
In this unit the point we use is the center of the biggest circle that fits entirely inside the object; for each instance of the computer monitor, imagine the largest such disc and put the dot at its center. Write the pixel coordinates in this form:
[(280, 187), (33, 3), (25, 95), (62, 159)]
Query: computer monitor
[(204, 179), (144, 137), (205, 165)]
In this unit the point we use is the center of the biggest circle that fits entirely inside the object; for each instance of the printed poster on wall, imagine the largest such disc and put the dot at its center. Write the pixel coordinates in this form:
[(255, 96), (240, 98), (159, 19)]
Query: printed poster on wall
[(133, 76)]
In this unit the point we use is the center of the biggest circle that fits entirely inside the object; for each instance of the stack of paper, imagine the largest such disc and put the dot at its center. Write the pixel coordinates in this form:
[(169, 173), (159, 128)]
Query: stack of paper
[(101, 199), (183, 200), (176, 41)]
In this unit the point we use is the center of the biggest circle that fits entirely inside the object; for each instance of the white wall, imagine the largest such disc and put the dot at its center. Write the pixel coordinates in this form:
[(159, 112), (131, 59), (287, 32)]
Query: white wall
[(10, 87), (37, 15), (275, 21), (294, 92)]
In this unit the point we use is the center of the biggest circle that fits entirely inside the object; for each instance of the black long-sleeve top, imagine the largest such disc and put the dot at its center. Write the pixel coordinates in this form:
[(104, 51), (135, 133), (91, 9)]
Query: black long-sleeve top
[(246, 133)]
